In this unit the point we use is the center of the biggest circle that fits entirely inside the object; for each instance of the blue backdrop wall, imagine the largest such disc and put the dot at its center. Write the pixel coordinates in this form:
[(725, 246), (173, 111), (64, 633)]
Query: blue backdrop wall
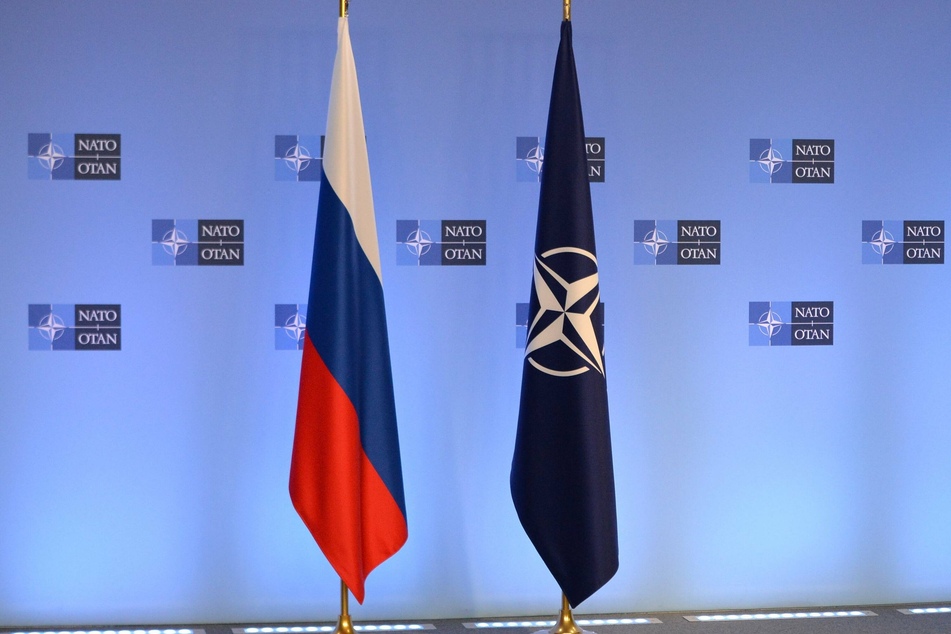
[(149, 483)]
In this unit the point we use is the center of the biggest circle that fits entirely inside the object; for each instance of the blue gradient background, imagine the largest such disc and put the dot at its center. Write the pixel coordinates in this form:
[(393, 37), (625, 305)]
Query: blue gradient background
[(150, 485)]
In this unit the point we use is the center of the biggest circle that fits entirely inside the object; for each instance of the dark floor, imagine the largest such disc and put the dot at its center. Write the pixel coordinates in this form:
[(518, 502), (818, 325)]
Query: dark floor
[(876, 620)]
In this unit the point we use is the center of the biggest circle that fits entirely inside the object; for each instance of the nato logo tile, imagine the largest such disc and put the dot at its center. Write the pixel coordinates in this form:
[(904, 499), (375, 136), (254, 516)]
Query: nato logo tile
[(530, 159), (796, 161), (298, 157), (791, 323), (200, 242), (903, 242), (74, 326), (290, 323), (682, 242), (74, 156), (441, 242)]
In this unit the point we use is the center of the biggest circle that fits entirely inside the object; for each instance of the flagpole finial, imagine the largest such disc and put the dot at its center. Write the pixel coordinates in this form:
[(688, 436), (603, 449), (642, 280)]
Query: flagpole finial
[(567, 10), (344, 8)]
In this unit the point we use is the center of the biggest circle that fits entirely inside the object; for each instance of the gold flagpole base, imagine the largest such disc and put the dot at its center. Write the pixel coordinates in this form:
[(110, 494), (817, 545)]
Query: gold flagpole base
[(344, 624), (566, 622)]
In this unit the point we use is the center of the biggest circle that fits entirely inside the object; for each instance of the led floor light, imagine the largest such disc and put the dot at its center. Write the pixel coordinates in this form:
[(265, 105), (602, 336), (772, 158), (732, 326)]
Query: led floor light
[(543, 624), (771, 616), (123, 631), (310, 629)]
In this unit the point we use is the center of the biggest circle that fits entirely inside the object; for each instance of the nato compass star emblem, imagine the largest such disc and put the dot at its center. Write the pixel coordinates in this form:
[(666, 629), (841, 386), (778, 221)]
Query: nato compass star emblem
[(46, 158), (51, 327), (530, 158), (290, 326), (771, 161), (535, 160), (882, 242), (295, 326), (174, 242), (51, 156), (562, 336), (298, 158), (770, 323), (418, 242), (655, 242)]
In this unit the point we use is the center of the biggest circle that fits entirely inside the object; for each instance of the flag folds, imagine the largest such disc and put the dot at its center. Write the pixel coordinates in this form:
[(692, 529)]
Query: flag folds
[(562, 477), (346, 479)]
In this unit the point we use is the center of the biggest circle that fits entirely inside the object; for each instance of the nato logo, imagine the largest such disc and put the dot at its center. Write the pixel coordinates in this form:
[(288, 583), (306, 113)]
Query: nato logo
[(903, 242), (440, 243), (530, 157), (792, 161), (198, 242), (74, 156), (298, 157), (676, 242), (75, 326), (791, 323), (290, 322), (521, 323)]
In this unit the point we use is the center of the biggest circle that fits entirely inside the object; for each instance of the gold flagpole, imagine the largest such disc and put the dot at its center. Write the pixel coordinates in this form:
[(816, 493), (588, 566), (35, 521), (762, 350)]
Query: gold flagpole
[(344, 624), (566, 622)]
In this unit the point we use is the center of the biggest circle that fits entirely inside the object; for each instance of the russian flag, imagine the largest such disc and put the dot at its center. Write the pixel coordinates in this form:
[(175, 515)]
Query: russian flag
[(346, 479)]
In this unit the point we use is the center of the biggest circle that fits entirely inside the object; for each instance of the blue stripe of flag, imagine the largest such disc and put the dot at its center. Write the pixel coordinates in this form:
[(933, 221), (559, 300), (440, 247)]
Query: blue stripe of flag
[(346, 321)]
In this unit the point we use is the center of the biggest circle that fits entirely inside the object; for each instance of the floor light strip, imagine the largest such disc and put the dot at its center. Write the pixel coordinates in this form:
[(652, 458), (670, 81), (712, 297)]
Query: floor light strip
[(321, 629), (150, 630), (771, 616), (941, 610), (488, 625)]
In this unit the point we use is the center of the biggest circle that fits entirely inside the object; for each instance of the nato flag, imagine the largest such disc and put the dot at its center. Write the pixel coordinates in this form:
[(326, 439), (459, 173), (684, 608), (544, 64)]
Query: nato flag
[(562, 473)]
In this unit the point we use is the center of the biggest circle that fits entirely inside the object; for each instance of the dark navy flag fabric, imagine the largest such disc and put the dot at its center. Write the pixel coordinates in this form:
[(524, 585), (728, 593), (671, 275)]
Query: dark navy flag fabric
[(562, 477)]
